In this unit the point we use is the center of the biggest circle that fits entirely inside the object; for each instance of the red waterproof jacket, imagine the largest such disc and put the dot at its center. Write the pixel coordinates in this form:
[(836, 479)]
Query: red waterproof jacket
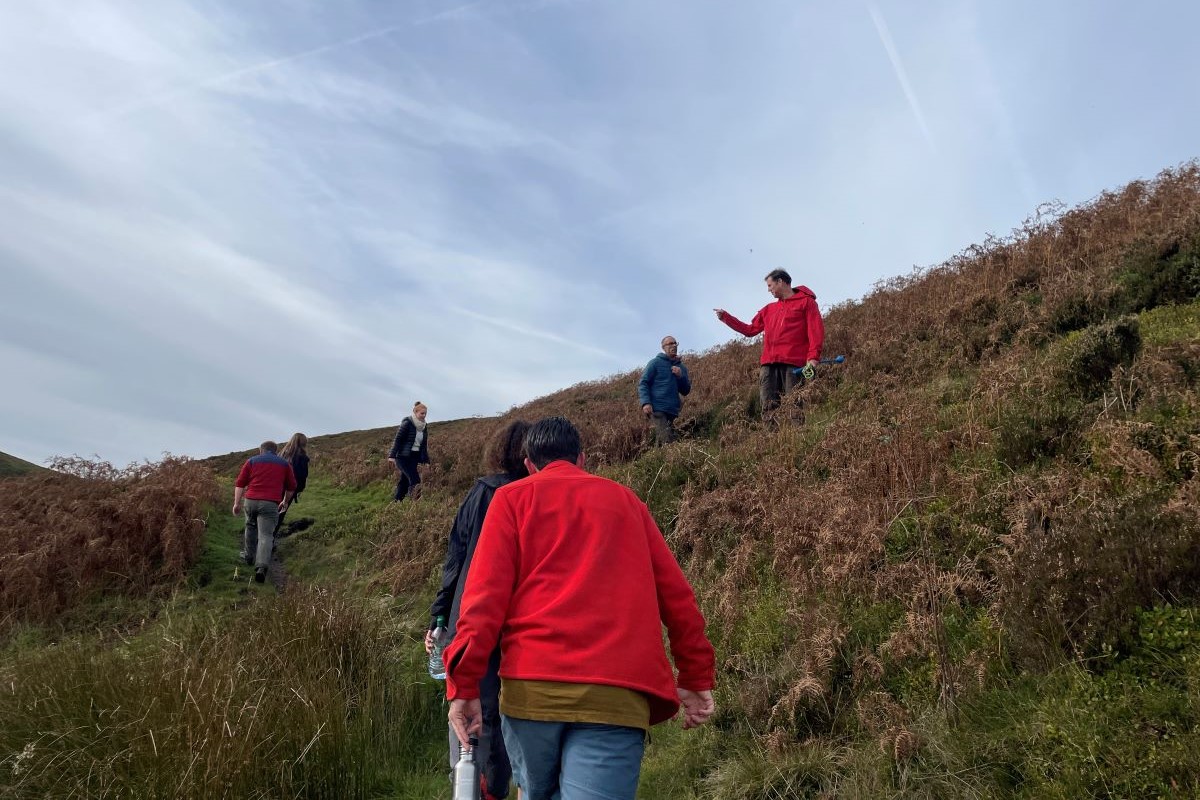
[(575, 579), (794, 333)]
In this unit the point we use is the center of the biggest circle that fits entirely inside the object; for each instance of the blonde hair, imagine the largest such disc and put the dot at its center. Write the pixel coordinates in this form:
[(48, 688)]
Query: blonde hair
[(419, 404), (298, 443)]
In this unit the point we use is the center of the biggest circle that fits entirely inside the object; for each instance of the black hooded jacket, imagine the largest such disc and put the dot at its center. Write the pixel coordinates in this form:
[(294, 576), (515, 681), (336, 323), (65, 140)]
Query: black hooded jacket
[(464, 535)]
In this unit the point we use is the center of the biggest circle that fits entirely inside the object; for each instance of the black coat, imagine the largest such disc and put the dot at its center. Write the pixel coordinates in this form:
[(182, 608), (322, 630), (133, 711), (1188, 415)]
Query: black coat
[(405, 436), (300, 468), (460, 550)]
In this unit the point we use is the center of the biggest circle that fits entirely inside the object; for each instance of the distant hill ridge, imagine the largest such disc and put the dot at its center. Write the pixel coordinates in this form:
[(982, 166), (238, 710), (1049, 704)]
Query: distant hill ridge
[(11, 465)]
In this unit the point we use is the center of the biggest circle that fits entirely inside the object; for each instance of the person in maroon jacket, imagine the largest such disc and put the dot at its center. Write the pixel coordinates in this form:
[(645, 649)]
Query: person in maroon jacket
[(264, 488), (793, 335), (574, 579)]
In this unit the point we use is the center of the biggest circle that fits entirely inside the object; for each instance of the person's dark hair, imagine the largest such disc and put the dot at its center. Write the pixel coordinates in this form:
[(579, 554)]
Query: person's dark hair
[(779, 275), (552, 439), (505, 451), (268, 447)]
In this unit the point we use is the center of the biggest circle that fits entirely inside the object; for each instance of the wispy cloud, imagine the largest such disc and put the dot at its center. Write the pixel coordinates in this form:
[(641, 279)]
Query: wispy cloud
[(174, 93), (893, 54), (219, 222)]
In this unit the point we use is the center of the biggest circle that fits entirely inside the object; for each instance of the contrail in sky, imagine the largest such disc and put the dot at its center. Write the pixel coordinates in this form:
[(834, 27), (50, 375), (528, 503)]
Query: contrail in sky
[(898, 67), (208, 83)]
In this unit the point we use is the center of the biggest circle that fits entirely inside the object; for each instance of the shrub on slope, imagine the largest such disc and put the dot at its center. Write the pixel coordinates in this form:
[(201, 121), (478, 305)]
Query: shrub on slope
[(86, 528)]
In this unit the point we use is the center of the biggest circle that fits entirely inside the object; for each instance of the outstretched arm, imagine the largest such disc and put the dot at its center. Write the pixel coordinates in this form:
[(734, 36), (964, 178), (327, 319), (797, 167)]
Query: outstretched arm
[(753, 329)]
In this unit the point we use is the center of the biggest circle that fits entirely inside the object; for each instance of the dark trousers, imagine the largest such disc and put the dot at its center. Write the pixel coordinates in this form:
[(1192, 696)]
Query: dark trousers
[(410, 478), (774, 380), (664, 427)]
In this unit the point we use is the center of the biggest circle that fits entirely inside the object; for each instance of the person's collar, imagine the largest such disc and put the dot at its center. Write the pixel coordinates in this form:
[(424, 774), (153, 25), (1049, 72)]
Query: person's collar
[(560, 464)]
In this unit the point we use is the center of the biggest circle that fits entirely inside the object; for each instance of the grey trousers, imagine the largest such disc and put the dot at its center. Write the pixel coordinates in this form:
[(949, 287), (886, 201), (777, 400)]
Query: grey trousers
[(664, 427), (259, 538), (773, 381)]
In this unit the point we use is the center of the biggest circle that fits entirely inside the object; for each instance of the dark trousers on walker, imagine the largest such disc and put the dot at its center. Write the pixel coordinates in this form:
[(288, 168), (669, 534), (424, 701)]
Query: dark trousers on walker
[(664, 427), (410, 478), (774, 380)]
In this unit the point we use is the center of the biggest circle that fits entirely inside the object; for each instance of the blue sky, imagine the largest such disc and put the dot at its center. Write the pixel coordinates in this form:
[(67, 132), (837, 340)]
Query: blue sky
[(224, 221)]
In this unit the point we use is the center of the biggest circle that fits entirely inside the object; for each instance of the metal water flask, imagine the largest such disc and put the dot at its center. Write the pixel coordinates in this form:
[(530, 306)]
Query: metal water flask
[(466, 773)]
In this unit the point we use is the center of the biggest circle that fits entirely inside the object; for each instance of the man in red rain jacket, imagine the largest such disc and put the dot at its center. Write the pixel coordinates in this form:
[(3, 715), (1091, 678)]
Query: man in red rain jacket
[(793, 335)]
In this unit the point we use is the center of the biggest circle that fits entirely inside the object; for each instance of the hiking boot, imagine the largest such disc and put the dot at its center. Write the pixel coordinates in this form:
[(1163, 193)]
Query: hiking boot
[(260, 574)]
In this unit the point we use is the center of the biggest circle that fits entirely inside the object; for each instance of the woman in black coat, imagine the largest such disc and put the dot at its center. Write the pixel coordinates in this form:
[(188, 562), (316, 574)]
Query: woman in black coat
[(505, 462), (295, 452), (410, 448)]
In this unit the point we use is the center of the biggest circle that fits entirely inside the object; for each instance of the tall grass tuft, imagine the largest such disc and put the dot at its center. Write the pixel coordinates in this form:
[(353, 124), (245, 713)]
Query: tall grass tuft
[(302, 695)]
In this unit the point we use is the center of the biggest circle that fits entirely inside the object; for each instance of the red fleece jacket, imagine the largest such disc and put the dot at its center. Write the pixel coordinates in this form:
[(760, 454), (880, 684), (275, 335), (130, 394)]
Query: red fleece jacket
[(794, 330), (266, 476), (574, 577)]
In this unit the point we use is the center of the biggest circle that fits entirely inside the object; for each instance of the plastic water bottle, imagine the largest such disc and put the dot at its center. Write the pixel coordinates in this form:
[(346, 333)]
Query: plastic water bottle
[(466, 773), (441, 638)]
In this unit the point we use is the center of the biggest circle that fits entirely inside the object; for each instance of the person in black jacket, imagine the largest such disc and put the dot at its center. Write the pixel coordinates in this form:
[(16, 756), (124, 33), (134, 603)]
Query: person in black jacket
[(409, 449), (504, 460), (295, 452)]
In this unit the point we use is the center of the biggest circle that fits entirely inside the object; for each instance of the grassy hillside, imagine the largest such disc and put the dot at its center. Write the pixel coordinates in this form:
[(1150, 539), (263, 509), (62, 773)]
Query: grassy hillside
[(966, 564), (11, 465)]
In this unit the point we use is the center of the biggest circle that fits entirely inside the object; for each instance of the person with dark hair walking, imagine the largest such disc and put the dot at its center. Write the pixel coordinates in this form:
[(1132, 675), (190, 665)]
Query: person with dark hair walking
[(504, 462), (578, 585), (410, 448), (664, 381), (295, 452), (264, 487), (793, 335)]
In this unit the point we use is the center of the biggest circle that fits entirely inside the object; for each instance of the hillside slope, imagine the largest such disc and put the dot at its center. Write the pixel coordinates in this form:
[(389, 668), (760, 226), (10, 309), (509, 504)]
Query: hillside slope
[(965, 564), (1000, 483), (11, 465)]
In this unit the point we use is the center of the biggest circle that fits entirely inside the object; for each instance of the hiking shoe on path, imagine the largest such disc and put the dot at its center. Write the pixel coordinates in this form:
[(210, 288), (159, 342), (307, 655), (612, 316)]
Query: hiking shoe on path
[(260, 574)]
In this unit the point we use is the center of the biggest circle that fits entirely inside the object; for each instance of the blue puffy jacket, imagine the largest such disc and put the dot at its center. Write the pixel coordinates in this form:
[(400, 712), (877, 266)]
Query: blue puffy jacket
[(660, 388)]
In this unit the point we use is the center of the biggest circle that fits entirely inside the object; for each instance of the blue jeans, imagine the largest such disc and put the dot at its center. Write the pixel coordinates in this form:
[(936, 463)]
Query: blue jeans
[(574, 760)]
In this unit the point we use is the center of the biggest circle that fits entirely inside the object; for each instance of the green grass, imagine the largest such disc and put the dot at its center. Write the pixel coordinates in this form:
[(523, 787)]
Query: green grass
[(11, 466), (325, 692), (223, 686), (1171, 324), (311, 694)]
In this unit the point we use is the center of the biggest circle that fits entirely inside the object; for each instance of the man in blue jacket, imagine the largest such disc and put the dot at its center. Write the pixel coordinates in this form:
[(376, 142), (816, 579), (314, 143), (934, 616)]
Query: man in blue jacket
[(664, 380)]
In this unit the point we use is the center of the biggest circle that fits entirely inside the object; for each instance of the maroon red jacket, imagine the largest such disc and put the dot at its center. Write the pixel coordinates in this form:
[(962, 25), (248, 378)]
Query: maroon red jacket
[(266, 477), (793, 332), (574, 578)]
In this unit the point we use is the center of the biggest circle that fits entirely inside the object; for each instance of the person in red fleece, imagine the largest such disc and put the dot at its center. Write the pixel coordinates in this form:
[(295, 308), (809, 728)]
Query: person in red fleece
[(577, 587), (793, 335), (264, 487)]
